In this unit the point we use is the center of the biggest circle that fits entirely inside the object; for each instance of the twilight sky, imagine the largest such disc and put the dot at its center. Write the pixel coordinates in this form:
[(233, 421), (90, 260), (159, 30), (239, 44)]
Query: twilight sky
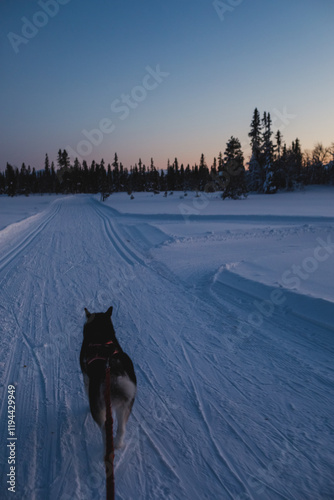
[(160, 78)]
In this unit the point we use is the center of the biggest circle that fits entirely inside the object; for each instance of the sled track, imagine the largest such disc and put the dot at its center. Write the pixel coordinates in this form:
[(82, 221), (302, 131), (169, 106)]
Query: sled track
[(118, 243), (27, 241)]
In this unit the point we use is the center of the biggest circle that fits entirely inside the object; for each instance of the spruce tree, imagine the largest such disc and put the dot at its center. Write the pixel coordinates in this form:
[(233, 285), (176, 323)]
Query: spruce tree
[(292, 166), (255, 133), (23, 180), (255, 171), (279, 161), (220, 161), (65, 159), (170, 176), (234, 170), (278, 138), (298, 156), (203, 173), (116, 181), (267, 153), (46, 165), (177, 186), (54, 179), (11, 180), (181, 182), (47, 175), (60, 159)]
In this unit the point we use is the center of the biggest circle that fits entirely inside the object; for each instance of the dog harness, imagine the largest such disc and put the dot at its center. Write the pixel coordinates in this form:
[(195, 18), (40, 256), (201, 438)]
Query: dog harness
[(102, 351)]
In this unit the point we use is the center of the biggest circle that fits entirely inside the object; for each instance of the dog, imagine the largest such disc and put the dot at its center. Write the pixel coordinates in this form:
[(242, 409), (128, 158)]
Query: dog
[(100, 348)]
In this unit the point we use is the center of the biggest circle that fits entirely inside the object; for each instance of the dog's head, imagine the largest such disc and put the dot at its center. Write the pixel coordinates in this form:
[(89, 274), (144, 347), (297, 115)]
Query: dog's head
[(99, 325), (90, 316)]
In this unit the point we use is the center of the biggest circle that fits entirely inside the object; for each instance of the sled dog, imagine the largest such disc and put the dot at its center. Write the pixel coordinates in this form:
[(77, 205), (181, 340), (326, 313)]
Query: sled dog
[(100, 348)]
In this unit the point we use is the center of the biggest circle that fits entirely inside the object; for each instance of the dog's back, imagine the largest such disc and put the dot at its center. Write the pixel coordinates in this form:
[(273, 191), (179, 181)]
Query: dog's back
[(100, 348)]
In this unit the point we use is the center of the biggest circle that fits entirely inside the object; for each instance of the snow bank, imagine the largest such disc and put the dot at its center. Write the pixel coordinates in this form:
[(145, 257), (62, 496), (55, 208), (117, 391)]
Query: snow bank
[(19, 208)]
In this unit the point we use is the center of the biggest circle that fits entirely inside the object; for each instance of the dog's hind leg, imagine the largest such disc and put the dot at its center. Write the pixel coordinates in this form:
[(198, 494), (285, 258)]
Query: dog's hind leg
[(122, 413), (96, 402)]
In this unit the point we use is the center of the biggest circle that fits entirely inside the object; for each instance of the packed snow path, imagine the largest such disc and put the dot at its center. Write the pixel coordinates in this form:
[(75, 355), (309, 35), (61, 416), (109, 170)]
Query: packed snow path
[(215, 417)]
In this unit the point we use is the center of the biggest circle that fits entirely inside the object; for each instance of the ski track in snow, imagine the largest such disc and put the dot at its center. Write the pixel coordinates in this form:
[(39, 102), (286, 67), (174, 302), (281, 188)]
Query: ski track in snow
[(215, 417)]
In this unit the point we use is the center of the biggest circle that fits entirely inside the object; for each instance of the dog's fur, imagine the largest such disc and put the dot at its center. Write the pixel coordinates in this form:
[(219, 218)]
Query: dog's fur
[(94, 355)]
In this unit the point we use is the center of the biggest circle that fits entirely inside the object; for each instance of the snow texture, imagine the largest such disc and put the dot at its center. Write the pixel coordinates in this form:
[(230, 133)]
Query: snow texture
[(226, 309)]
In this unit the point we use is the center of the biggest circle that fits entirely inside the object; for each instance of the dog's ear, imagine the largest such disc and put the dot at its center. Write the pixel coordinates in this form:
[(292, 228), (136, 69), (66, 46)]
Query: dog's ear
[(109, 312), (88, 314)]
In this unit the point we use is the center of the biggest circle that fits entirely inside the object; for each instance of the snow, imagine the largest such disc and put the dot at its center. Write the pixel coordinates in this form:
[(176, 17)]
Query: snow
[(21, 207), (225, 307), (311, 201)]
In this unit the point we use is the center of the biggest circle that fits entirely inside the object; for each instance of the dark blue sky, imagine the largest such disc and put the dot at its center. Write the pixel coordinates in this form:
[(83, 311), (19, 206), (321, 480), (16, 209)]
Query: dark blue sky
[(161, 79)]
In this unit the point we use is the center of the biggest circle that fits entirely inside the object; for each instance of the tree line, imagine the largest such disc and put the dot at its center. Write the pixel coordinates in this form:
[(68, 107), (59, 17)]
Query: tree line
[(273, 166)]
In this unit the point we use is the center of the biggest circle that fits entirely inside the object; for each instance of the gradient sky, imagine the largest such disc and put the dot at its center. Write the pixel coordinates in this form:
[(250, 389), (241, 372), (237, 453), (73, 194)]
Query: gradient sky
[(79, 63)]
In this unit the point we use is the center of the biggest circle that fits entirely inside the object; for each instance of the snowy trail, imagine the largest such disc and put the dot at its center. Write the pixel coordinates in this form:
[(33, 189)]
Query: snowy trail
[(215, 417)]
